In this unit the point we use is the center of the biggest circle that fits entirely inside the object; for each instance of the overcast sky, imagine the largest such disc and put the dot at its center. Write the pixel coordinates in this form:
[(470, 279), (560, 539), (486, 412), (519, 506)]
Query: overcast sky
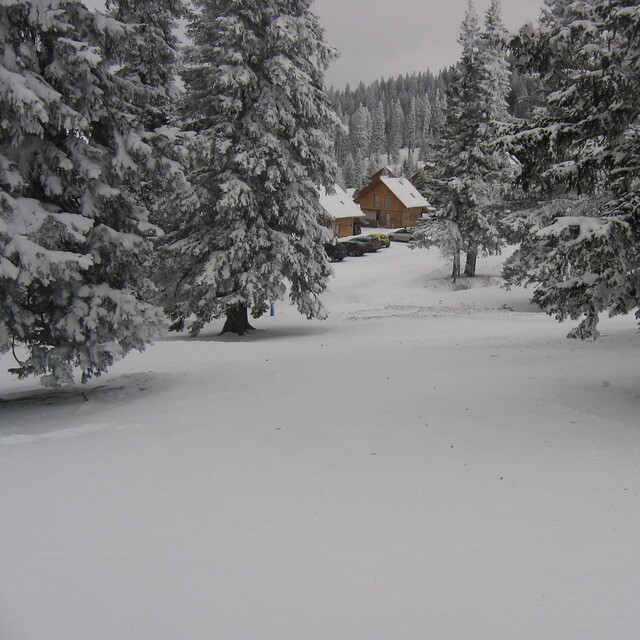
[(386, 38)]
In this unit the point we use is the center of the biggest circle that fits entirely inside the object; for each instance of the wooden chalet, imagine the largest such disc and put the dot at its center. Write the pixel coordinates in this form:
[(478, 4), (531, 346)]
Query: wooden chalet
[(346, 214), (391, 202)]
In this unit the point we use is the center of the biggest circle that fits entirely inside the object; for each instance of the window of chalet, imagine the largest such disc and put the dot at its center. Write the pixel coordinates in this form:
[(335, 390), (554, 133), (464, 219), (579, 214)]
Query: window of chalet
[(387, 202), (376, 200)]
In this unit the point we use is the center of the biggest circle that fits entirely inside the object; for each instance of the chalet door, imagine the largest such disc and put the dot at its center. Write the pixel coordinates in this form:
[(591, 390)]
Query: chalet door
[(387, 219)]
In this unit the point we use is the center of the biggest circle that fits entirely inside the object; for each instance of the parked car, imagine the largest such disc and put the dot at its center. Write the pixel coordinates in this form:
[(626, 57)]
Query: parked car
[(336, 252), (382, 238), (354, 248), (402, 235), (370, 243)]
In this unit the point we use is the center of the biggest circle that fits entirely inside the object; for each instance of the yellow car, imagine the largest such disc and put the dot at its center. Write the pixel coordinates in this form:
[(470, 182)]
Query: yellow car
[(382, 238)]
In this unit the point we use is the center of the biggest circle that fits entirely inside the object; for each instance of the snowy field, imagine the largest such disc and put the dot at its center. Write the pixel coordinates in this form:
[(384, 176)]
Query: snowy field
[(427, 464)]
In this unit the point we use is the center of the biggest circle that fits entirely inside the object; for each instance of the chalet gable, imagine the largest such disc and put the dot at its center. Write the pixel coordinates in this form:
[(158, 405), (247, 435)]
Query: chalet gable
[(403, 189), (338, 204), (390, 201)]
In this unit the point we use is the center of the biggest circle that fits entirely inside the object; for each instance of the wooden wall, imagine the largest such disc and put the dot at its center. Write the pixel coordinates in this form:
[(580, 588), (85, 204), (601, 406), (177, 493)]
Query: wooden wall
[(344, 227), (397, 215)]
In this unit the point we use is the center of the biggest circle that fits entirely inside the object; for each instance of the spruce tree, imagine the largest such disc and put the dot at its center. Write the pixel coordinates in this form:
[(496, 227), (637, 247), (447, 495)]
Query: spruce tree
[(438, 112), (395, 132), (412, 125), (495, 63), (359, 167), (471, 175), (360, 132), (341, 142), (581, 156), (149, 62), (378, 134), (349, 172), (255, 98), (150, 58), (425, 129), (72, 227)]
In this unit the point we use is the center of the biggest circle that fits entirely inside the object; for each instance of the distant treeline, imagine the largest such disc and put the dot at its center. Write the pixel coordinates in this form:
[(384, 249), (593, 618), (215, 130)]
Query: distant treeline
[(396, 121)]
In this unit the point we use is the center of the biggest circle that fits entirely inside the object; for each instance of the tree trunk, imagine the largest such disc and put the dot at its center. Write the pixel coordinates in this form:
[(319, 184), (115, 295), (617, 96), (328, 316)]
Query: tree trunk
[(237, 320), (455, 271), (471, 260)]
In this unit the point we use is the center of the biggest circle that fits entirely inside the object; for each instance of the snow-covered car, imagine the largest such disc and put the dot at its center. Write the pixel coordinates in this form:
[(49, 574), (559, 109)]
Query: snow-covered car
[(402, 235)]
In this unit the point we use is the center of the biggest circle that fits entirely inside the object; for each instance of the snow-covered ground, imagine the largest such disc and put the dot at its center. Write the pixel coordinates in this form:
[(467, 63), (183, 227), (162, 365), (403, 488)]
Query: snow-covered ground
[(427, 464)]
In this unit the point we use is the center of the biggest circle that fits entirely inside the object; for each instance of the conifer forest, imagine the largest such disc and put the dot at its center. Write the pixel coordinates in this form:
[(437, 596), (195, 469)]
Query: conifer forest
[(130, 201), (147, 182)]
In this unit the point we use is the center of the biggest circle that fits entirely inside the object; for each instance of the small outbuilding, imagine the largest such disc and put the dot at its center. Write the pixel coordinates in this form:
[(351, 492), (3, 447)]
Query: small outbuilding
[(346, 214), (391, 202)]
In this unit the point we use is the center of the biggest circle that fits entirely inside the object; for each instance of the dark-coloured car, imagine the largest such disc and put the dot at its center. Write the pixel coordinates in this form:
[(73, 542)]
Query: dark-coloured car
[(354, 248), (336, 252), (370, 243)]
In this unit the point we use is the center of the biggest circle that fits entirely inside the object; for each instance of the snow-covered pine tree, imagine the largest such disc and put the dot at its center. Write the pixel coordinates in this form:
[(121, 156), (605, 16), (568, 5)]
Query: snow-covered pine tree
[(471, 175), (378, 134), (408, 166), (255, 97), (359, 166), (360, 132), (396, 130), (372, 165), (412, 125), (582, 154), (496, 171), (495, 63), (438, 112), (425, 129), (341, 143), (150, 58), (71, 232), (149, 62), (349, 172)]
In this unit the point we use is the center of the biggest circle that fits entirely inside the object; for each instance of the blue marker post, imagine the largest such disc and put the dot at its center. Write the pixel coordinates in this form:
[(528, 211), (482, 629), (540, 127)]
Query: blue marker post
[(272, 310)]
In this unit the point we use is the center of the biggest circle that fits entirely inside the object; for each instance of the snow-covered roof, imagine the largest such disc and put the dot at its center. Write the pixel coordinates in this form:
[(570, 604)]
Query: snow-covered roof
[(405, 192), (338, 204)]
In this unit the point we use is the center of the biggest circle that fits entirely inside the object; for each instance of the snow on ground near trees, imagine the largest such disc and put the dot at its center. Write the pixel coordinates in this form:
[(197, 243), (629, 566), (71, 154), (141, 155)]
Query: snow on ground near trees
[(428, 463)]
